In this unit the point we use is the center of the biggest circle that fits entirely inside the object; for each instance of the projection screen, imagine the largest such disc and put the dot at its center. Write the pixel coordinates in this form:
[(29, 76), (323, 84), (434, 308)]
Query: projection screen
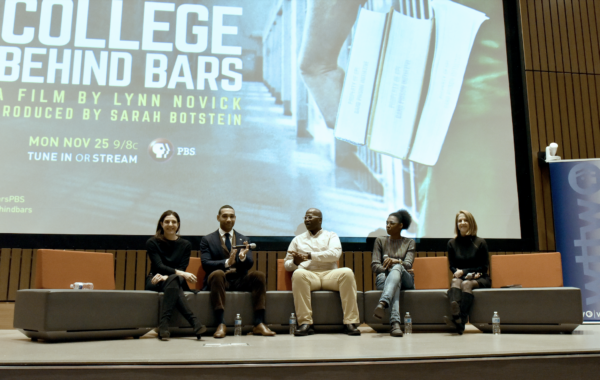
[(114, 111)]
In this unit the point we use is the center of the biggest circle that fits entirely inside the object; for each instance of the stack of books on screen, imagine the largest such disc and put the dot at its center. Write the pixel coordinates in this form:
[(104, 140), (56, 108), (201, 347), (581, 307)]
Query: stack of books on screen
[(381, 103)]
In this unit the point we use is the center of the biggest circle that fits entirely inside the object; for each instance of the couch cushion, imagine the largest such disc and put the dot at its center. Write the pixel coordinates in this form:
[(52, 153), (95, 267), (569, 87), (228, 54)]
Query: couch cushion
[(195, 267), (528, 305), (534, 270), (528, 310), (85, 310), (59, 269), (284, 278), (327, 307), (431, 272), (426, 307), (236, 303)]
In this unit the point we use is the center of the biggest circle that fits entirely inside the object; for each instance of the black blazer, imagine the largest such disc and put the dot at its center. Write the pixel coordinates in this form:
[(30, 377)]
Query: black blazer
[(213, 258)]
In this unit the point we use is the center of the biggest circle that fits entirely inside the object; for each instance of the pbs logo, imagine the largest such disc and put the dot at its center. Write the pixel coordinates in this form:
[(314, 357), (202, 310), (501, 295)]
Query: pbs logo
[(161, 150)]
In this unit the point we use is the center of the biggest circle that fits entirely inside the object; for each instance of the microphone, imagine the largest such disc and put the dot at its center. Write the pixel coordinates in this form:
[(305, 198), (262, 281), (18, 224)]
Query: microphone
[(251, 245)]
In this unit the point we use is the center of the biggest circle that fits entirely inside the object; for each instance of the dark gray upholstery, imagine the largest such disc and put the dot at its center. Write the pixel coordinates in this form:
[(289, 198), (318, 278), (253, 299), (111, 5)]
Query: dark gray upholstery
[(327, 310), (326, 305), (528, 309), (72, 314), (104, 314), (236, 303), (426, 307)]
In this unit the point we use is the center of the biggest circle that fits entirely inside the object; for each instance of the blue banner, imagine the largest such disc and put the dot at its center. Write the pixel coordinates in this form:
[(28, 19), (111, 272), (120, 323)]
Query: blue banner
[(576, 205)]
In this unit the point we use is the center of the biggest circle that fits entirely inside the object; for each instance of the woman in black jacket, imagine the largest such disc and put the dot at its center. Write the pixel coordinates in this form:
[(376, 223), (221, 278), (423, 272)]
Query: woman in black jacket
[(170, 256), (469, 262)]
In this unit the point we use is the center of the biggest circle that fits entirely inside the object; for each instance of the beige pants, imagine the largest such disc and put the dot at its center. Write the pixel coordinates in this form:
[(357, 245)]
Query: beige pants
[(341, 279)]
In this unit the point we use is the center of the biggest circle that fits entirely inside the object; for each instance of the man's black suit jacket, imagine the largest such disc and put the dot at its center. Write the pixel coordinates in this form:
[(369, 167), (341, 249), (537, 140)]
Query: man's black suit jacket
[(213, 258)]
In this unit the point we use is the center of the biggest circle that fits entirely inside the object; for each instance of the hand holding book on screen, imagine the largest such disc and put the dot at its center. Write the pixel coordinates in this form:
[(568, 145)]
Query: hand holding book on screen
[(380, 103)]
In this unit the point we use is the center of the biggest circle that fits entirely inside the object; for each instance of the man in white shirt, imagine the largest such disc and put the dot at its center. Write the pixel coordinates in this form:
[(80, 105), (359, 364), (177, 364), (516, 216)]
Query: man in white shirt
[(313, 257)]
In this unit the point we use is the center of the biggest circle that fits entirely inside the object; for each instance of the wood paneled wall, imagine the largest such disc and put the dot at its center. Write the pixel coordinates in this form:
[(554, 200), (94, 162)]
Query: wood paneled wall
[(562, 66), (17, 268)]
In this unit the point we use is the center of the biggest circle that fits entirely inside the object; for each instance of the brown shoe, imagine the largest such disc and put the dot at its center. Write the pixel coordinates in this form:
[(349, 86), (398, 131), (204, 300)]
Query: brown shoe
[(262, 329), (221, 331)]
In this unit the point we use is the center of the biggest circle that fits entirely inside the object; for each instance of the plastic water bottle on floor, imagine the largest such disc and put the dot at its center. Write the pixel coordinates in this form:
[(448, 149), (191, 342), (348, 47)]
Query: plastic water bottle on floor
[(88, 286), (77, 285), (292, 324), (496, 323), (407, 323), (238, 326)]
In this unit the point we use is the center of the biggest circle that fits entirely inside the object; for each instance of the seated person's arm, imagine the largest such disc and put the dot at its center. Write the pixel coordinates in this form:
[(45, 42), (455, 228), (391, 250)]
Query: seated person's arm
[(243, 259), (333, 252), (408, 260), (208, 263), (377, 258), (482, 259), (288, 263), (184, 263), (451, 259)]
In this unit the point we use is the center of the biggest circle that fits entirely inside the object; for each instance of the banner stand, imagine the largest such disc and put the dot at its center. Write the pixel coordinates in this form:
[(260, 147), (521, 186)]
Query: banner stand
[(576, 206)]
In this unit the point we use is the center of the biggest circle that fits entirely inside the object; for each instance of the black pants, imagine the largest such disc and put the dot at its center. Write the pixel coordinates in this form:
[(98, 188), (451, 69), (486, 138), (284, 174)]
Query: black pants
[(160, 287)]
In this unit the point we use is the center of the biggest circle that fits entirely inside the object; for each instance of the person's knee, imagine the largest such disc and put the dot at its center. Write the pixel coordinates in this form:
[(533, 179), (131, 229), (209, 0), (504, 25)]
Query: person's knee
[(398, 269), (380, 281), (216, 277), (258, 276), (346, 274), (467, 286), (298, 275), (172, 281)]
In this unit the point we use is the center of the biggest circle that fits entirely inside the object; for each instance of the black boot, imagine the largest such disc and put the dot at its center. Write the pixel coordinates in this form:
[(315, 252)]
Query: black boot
[(456, 322), (184, 310), (166, 310), (454, 297), (465, 307)]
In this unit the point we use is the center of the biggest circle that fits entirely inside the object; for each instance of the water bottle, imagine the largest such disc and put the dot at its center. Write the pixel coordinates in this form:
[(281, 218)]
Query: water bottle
[(238, 326), (496, 323), (77, 285), (88, 286), (407, 323), (292, 324)]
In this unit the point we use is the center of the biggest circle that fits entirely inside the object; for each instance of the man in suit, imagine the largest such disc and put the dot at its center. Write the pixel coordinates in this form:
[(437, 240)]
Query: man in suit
[(226, 269)]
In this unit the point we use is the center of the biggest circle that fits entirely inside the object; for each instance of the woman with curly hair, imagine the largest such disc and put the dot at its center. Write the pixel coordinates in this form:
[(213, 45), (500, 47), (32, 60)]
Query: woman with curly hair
[(392, 259)]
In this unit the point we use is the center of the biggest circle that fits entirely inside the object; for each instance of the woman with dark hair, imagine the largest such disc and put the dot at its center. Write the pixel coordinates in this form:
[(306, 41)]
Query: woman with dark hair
[(392, 259), (469, 262), (170, 256)]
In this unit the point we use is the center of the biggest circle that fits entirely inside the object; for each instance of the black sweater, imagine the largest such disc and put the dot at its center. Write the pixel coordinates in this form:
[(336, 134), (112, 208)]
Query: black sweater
[(469, 253), (168, 255)]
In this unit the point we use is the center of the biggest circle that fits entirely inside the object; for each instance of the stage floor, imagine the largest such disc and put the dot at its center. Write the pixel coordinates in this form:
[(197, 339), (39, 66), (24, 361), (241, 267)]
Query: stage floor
[(18, 350)]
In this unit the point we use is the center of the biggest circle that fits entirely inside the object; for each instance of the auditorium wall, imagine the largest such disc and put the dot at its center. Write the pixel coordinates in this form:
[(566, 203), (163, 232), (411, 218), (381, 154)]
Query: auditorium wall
[(562, 66)]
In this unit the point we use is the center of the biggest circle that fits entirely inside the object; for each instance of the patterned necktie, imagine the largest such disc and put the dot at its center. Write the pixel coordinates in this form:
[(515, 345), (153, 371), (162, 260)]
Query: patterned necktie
[(228, 242)]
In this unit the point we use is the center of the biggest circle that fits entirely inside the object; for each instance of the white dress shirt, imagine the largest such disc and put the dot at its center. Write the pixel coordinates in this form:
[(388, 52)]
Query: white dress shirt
[(324, 247)]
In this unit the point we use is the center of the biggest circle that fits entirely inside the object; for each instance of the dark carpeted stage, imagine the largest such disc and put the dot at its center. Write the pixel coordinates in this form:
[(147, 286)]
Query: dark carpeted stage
[(326, 356)]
